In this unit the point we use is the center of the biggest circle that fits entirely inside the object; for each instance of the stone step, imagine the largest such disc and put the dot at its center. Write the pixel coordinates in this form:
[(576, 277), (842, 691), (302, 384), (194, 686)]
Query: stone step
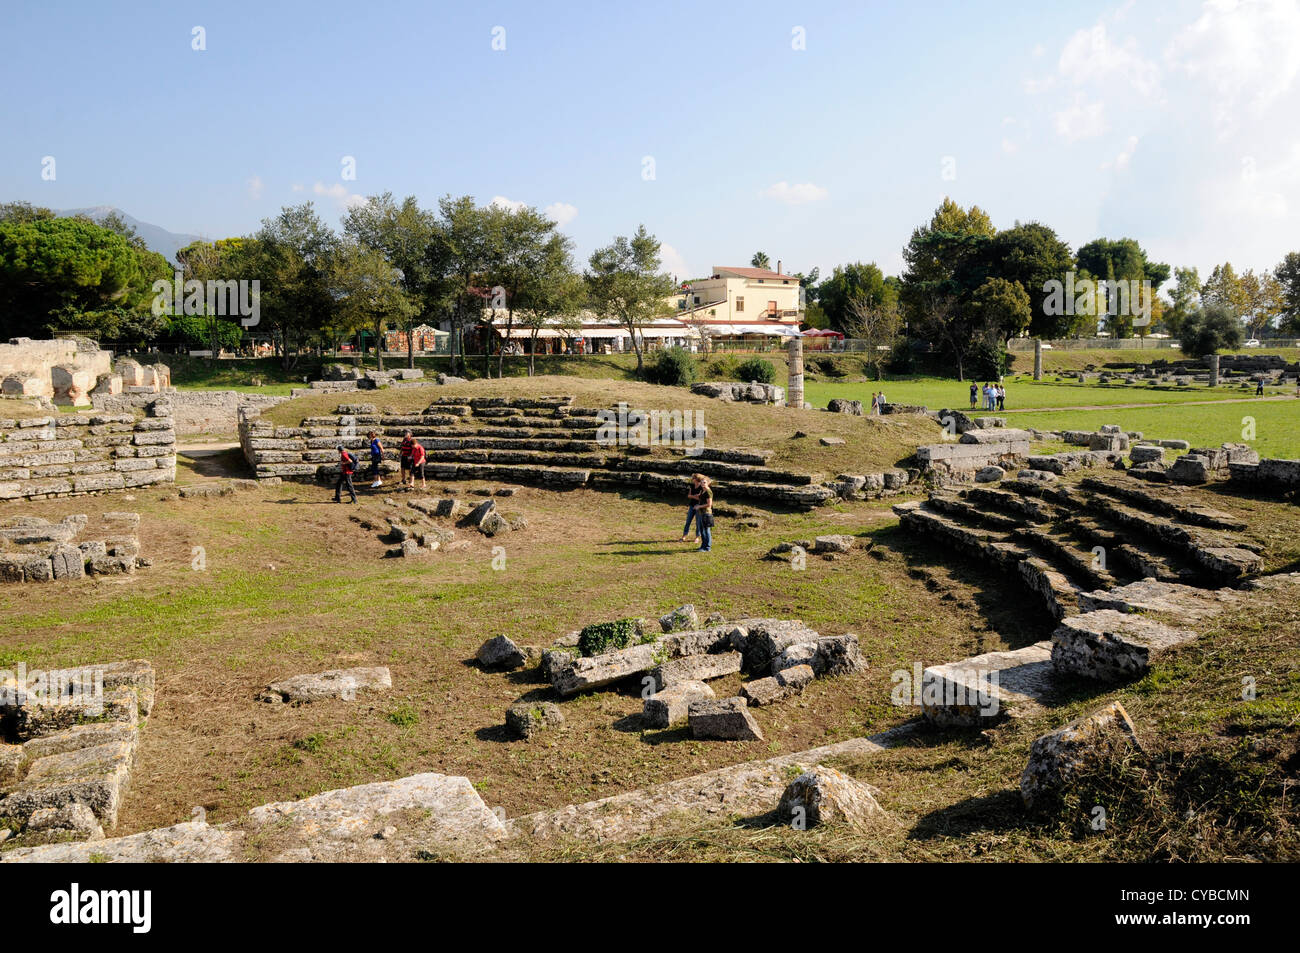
[(1164, 504), (986, 688), (1064, 550), (1181, 603), (1111, 646), (1140, 560)]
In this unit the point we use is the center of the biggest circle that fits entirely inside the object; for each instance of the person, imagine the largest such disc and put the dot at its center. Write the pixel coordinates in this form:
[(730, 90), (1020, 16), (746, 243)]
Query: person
[(693, 495), (418, 457), (347, 466), (1002, 397), (405, 449), (704, 515), (974, 394), (880, 403), (376, 458), (875, 404), (1259, 387)]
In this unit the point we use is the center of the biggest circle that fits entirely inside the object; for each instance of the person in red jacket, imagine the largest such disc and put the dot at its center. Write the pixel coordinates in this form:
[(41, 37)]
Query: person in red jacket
[(405, 450), (418, 457), (347, 467)]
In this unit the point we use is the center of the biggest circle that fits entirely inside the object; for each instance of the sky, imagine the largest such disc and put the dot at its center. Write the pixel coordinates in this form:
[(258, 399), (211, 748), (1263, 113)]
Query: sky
[(817, 132)]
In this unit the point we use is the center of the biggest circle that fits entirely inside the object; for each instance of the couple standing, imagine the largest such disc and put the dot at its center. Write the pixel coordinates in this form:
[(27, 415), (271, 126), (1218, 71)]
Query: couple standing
[(700, 512)]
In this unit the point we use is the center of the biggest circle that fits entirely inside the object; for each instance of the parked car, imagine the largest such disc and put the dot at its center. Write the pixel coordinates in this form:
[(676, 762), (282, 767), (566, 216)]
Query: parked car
[(1253, 342)]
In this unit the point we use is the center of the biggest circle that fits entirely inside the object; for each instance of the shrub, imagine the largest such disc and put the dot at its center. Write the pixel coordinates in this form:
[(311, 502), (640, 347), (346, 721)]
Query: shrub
[(988, 360), (828, 365), (724, 368), (1209, 329), (756, 371), (608, 636), (675, 368)]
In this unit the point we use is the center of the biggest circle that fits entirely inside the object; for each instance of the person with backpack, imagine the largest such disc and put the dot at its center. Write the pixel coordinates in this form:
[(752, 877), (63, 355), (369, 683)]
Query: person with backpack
[(418, 457), (376, 458), (405, 450), (347, 467), (704, 515), (974, 394)]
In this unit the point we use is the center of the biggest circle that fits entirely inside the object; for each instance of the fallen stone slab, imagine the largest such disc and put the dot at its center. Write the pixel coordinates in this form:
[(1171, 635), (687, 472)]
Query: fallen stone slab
[(680, 619), (336, 683), (695, 668), (1111, 646), (73, 818), (527, 719), (835, 543), (1055, 759), (724, 719), (827, 796), (341, 825), (597, 671), (671, 706), (93, 776), (985, 688), (828, 656)]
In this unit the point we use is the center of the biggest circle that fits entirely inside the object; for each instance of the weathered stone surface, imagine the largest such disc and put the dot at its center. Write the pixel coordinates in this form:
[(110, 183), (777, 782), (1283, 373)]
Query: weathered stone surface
[(74, 818), (670, 706), (93, 776), (832, 441), (680, 619), (500, 652), (775, 688), (494, 524), (527, 719), (989, 474), (1182, 603), (1190, 469), (1111, 646), (827, 796), (995, 435), (987, 687), (725, 719), (1056, 758), (695, 668), (835, 543), (336, 683), (554, 661), (36, 717), (597, 671), (11, 762), (338, 825), (194, 842), (840, 405), (1144, 453)]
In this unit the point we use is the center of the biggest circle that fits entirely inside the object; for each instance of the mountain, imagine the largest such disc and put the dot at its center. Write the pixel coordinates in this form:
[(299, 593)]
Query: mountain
[(155, 236)]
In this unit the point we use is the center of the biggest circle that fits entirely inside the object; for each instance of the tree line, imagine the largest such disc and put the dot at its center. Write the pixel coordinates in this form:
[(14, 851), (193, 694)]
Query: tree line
[(392, 265)]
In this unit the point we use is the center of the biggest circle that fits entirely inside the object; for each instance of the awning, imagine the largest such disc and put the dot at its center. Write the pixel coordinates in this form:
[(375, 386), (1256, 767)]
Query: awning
[(525, 334), (603, 333), (770, 330), (820, 333)]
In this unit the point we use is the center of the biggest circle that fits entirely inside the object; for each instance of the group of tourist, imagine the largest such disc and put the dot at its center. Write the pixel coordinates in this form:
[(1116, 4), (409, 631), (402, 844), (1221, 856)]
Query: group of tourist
[(412, 458), (699, 512), (994, 396)]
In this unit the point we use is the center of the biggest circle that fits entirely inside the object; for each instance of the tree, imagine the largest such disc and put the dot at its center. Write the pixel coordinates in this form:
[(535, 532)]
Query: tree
[(291, 256), (457, 255), (853, 283), (1001, 309), (71, 274), (944, 261), (368, 292), (624, 282), (1225, 288), (1209, 329), (1031, 255), (403, 233), (525, 252), (877, 324), (20, 212), (556, 303), (1263, 298), (1120, 260), (1287, 274), (760, 260), (204, 262), (1185, 298)]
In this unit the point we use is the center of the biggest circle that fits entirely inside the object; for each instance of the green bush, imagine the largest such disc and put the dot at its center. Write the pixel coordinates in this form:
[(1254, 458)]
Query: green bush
[(608, 636), (675, 368), (828, 365), (756, 371), (724, 368)]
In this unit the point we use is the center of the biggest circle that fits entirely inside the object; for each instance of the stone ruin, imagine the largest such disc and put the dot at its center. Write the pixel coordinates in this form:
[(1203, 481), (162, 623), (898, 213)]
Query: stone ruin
[(339, 378), (68, 739), (741, 392), (414, 530), (72, 371), (38, 550), (72, 454), (675, 659)]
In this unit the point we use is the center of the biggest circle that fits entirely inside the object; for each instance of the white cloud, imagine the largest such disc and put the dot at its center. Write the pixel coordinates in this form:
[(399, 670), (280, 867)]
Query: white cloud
[(798, 194), (1121, 161), (255, 187), (297, 187), (1247, 53), (561, 213), (1094, 57), (339, 194), (1009, 147), (1081, 120), (673, 263), (500, 201)]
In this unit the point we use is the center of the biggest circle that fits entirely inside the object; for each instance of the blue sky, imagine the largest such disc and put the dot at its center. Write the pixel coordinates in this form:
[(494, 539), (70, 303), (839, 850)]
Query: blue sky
[(1171, 122)]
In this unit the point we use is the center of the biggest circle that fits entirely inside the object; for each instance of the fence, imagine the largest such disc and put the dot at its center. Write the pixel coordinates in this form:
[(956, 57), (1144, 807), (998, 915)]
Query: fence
[(1026, 345)]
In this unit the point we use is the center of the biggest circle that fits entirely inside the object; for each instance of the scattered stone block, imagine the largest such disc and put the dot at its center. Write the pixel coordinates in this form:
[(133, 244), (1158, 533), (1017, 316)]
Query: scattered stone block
[(1111, 646), (500, 652), (336, 683), (695, 668), (1057, 758), (682, 618), (726, 719), (837, 543), (827, 796), (671, 706), (989, 474), (527, 719), (833, 441)]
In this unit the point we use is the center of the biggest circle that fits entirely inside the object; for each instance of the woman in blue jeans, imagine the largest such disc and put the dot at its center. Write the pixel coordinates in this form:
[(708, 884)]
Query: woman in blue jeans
[(704, 514), (692, 494)]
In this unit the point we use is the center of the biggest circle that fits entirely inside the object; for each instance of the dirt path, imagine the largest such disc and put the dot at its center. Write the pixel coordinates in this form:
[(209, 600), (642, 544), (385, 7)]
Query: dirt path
[(1187, 403)]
